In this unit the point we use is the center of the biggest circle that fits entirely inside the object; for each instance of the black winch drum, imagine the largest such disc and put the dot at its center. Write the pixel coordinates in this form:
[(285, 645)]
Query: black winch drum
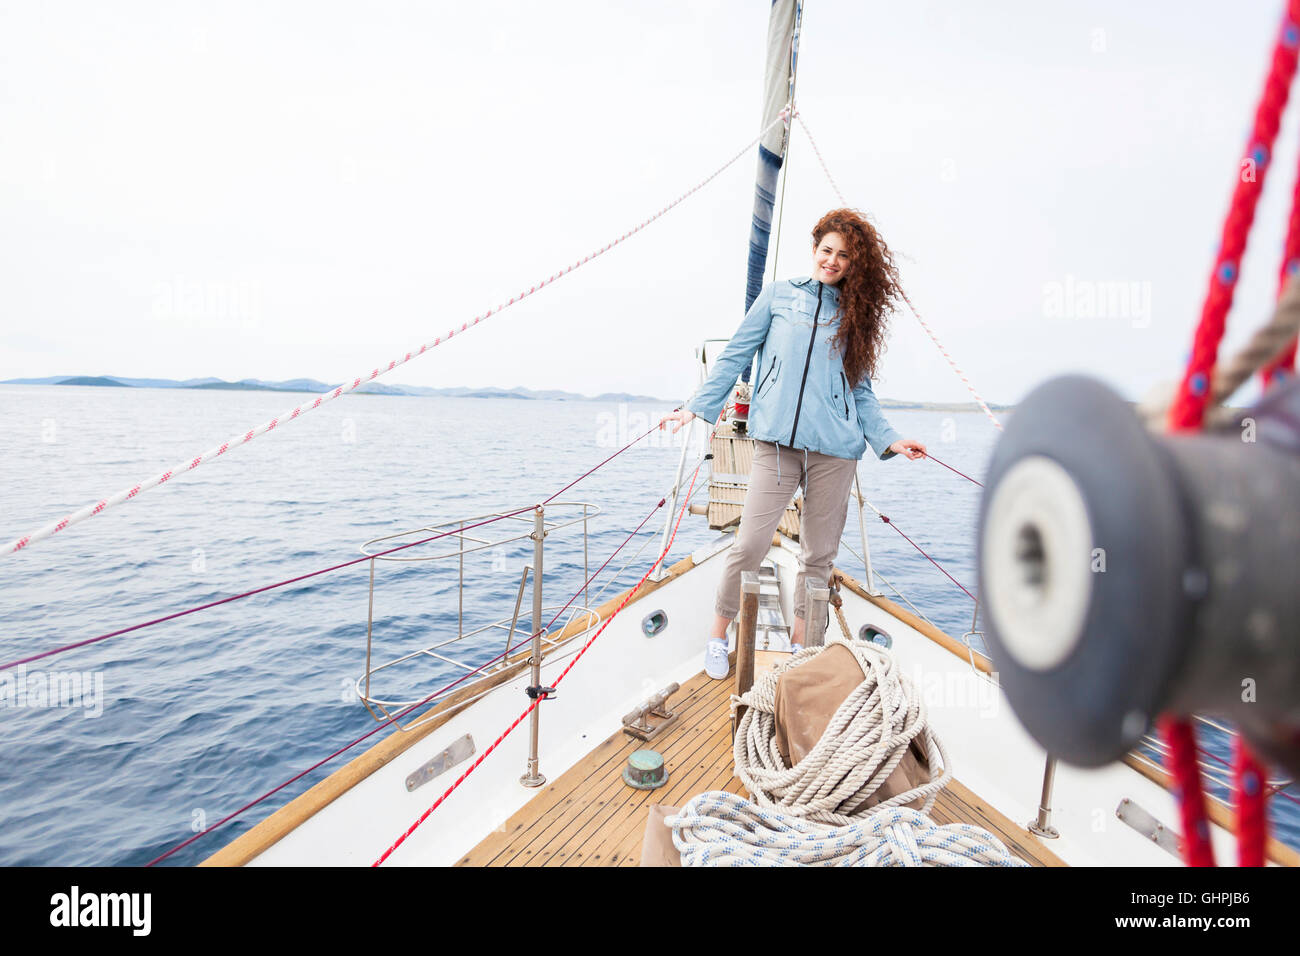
[(1124, 574)]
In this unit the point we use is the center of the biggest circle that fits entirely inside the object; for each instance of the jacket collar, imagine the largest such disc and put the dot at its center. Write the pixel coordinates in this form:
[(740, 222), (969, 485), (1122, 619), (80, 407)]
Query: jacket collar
[(807, 282)]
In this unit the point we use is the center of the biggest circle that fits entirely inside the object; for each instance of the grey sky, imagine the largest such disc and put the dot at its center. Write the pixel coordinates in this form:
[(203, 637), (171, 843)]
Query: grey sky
[(308, 189)]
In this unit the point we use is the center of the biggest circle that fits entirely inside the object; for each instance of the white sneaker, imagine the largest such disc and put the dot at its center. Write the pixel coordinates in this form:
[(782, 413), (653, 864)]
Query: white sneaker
[(716, 664)]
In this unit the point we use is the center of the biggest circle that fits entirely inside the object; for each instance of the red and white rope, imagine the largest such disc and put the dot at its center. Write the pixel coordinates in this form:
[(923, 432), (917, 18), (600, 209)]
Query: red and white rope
[(1187, 414), (555, 684), (928, 331), (243, 438)]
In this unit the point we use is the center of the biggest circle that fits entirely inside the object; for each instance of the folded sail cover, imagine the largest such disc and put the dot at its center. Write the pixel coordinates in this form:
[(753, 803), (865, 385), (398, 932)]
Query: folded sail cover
[(778, 88)]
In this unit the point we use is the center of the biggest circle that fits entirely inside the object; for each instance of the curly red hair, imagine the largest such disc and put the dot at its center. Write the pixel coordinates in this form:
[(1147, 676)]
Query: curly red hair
[(869, 291)]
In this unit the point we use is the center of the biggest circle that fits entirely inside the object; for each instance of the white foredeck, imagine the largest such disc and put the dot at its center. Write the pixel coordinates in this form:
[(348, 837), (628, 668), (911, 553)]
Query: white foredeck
[(991, 754)]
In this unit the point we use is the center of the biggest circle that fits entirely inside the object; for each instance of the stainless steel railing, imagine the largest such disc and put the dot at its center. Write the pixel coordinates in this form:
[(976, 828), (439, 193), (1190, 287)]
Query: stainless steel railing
[(454, 539), (1216, 772)]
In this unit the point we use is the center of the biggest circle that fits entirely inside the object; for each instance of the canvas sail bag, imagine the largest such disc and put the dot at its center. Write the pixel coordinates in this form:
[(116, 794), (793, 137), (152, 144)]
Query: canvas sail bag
[(808, 696), (658, 849)]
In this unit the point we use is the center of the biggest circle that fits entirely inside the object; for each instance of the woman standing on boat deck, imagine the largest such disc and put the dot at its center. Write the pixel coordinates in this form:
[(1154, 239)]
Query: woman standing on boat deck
[(813, 413)]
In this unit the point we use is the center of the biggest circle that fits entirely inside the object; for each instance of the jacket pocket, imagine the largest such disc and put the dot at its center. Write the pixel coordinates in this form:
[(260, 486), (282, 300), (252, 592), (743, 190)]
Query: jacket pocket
[(770, 377), (844, 394)]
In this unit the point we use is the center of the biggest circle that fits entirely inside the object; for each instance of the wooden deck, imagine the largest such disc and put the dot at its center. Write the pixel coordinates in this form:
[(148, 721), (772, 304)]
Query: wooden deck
[(590, 817)]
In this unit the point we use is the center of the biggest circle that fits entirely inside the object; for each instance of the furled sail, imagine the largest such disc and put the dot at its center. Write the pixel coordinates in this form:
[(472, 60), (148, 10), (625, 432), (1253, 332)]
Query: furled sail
[(778, 90)]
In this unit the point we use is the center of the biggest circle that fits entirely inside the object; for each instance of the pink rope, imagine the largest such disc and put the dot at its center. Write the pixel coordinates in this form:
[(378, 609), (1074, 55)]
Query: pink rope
[(954, 470), (189, 464), (246, 594), (887, 521), (538, 700), (303, 577), (924, 325), (408, 710)]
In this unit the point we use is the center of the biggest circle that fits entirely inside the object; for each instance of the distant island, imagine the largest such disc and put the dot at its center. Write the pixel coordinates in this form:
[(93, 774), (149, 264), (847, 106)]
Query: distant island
[(312, 386)]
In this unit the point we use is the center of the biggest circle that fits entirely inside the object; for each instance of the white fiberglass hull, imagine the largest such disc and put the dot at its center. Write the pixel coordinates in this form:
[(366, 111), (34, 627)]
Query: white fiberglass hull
[(991, 754)]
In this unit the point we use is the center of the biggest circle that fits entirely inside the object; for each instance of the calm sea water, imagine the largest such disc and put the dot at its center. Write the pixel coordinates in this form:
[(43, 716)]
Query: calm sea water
[(183, 722)]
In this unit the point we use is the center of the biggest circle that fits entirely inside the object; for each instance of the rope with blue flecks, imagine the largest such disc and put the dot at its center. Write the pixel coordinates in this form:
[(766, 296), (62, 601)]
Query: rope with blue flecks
[(718, 828)]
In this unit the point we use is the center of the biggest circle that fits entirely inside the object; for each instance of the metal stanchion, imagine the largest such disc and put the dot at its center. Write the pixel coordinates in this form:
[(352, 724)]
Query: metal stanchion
[(870, 582), (534, 778), (1042, 825), (660, 571)]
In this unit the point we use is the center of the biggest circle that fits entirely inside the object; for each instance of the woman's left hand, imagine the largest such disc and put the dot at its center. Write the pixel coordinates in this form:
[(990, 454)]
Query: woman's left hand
[(910, 447)]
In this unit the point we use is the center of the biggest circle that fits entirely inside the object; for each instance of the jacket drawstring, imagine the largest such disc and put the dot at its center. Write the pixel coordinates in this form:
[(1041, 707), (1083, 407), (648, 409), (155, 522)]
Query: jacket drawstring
[(803, 478)]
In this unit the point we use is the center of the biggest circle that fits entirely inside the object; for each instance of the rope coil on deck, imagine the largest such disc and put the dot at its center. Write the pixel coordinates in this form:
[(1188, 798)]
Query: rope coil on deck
[(816, 813), (866, 739), (718, 828)]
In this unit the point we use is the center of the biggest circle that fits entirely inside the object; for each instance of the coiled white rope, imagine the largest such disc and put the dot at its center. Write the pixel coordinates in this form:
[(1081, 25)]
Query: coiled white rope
[(867, 738), (820, 812), (722, 829)]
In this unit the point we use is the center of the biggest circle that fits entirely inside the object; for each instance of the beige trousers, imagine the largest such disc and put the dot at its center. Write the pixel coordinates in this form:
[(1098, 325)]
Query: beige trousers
[(778, 470)]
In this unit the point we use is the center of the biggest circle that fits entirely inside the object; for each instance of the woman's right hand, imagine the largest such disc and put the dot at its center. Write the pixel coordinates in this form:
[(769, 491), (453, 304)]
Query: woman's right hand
[(681, 416)]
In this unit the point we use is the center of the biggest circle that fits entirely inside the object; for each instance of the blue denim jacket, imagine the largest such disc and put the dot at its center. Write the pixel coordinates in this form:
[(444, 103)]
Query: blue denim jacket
[(801, 396)]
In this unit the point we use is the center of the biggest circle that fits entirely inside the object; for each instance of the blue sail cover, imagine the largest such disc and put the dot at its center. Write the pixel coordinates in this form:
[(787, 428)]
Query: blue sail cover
[(778, 82), (760, 230)]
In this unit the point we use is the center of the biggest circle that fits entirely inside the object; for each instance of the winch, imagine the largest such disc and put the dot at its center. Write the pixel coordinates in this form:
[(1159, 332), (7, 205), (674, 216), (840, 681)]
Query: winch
[(1126, 574)]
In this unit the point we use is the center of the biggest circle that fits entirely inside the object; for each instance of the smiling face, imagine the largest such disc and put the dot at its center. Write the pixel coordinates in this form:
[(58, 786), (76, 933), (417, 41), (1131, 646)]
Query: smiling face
[(830, 259)]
